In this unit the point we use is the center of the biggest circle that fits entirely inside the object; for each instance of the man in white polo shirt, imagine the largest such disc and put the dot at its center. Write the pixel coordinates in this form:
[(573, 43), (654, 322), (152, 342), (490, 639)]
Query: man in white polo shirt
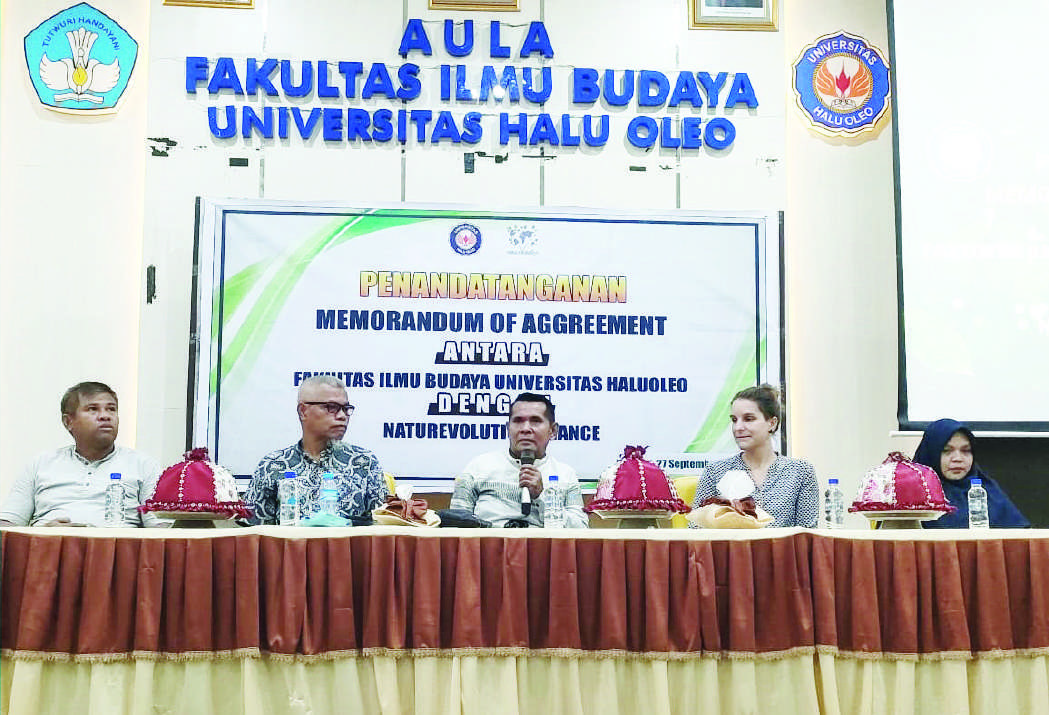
[(67, 486)]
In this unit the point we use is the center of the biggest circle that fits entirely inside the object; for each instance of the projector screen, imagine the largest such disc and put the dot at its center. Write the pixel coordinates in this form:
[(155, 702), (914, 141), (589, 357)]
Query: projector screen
[(972, 188)]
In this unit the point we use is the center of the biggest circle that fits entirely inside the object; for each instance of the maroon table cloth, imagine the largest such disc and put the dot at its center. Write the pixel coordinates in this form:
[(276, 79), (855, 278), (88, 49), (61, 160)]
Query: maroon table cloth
[(662, 594)]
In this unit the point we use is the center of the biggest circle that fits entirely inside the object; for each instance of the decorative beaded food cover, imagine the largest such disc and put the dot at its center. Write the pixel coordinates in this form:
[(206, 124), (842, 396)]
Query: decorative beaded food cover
[(197, 485), (898, 484), (636, 484)]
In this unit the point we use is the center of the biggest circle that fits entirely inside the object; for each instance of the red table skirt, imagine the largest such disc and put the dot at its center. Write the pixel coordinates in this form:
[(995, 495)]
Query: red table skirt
[(656, 594)]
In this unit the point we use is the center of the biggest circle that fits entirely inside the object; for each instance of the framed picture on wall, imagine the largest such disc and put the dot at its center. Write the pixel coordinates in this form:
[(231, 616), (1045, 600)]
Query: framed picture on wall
[(474, 5), (733, 14), (245, 4)]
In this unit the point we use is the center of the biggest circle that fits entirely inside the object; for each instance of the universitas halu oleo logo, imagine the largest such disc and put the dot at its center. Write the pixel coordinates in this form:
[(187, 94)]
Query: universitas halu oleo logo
[(841, 83), (80, 61), (465, 239)]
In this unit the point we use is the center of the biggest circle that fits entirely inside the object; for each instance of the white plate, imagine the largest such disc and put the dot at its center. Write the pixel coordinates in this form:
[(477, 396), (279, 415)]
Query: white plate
[(192, 515), (634, 514), (904, 514)]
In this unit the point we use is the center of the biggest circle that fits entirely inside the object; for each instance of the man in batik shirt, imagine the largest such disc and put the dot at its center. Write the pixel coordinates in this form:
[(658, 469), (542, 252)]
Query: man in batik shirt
[(324, 413)]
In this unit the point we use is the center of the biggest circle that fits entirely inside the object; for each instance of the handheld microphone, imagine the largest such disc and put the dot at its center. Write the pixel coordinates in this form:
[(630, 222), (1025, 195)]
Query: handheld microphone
[(527, 457)]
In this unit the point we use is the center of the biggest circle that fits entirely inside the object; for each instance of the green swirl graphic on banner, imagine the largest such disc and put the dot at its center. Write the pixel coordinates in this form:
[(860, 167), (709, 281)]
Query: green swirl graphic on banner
[(241, 350), (714, 435)]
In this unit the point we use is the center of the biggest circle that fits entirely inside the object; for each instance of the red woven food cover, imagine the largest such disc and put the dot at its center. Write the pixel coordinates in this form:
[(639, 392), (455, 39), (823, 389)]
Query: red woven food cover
[(197, 485), (635, 483), (898, 484)]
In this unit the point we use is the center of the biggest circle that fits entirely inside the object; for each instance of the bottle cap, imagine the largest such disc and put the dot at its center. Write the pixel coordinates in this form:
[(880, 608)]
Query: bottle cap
[(832, 480), (328, 475), (114, 475), (289, 475), (977, 481)]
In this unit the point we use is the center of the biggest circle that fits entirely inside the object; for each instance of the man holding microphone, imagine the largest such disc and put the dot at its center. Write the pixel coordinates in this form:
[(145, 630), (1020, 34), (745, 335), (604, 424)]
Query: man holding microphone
[(505, 487)]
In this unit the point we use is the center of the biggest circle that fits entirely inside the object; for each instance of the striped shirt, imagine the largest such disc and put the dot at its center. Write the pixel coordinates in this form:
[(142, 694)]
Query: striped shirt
[(489, 487)]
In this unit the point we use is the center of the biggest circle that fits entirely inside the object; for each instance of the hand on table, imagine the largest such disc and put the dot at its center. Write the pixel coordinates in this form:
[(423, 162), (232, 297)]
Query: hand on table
[(62, 521)]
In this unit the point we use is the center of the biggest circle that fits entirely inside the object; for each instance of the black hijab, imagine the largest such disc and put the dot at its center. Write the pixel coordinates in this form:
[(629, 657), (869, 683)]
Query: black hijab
[(1002, 512)]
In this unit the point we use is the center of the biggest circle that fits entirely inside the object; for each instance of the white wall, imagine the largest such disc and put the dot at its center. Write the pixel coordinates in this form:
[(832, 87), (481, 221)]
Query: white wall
[(293, 169), (71, 211), (841, 273), (840, 260)]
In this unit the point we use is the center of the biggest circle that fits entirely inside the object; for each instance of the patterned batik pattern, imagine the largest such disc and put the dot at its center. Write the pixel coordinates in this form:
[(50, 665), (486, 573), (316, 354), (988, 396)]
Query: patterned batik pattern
[(360, 480)]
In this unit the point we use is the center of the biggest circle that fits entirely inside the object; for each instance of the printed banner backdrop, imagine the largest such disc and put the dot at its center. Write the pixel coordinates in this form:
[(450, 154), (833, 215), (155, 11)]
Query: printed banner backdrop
[(639, 327)]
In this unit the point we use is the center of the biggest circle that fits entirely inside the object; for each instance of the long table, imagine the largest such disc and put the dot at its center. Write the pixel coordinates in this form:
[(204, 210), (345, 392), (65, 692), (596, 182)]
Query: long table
[(403, 620)]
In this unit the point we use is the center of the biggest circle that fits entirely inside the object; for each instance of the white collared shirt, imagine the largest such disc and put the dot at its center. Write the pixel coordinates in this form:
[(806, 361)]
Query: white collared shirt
[(489, 487), (64, 484)]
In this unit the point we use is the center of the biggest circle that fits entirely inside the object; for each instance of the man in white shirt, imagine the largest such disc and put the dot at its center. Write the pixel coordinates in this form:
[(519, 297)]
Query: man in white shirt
[(491, 485), (67, 487)]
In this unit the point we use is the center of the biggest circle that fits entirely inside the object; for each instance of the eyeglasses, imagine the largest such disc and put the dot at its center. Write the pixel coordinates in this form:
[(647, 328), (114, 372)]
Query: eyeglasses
[(334, 408)]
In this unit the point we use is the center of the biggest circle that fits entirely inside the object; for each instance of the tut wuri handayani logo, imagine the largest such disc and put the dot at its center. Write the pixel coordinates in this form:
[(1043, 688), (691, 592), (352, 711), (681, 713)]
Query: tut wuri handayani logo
[(841, 82), (80, 61)]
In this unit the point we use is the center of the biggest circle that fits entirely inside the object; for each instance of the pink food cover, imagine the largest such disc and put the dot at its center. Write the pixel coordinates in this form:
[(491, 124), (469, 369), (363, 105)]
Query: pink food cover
[(197, 485), (898, 484), (635, 483)]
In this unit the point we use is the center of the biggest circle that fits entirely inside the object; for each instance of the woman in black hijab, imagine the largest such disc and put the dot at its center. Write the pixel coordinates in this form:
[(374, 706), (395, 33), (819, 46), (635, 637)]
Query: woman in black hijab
[(947, 447)]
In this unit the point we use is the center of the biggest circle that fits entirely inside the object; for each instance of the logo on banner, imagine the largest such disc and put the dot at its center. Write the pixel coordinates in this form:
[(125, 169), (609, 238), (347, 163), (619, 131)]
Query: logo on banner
[(80, 61), (465, 239), (523, 240), (841, 82)]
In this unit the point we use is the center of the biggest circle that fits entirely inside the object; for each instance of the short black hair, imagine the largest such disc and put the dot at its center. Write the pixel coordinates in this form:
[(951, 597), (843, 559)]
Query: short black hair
[(71, 399), (533, 397)]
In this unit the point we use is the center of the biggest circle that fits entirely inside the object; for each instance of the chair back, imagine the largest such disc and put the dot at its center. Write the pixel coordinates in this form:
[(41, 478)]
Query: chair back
[(686, 489)]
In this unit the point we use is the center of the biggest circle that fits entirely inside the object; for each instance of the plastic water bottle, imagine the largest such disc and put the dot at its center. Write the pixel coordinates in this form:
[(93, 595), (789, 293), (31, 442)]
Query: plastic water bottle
[(114, 501), (978, 505), (288, 495), (834, 505), (329, 501), (553, 497)]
